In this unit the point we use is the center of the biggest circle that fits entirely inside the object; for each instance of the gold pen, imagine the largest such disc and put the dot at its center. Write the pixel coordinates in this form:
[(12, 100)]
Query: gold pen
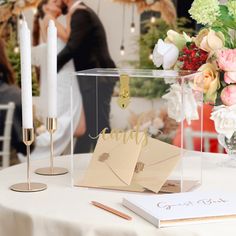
[(111, 210)]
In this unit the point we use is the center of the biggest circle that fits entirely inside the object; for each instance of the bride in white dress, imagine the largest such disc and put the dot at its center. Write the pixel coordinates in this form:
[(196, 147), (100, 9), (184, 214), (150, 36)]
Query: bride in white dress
[(48, 10)]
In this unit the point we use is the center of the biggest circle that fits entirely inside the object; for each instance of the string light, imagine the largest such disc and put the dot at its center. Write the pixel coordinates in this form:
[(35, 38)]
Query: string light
[(122, 47), (122, 50), (151, 56), (16, 49), (132, 26), (153, 19), (35, 11), (20, 18)]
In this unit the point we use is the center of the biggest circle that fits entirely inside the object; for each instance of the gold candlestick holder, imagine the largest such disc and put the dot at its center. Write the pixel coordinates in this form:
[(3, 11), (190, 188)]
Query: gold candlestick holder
[(51, 125), (28, 138)]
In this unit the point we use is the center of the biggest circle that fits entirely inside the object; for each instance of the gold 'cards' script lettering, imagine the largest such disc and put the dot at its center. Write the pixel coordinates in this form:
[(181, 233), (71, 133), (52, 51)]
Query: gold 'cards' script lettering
[(125, 136)]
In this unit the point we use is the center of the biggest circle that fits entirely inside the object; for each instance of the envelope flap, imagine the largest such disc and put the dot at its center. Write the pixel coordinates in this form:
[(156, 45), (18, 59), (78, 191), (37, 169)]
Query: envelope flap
[(113, 161), (159, 160)]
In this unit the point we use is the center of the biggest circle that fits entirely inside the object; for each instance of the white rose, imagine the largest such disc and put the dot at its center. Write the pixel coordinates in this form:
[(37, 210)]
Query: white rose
[(177, 110), (224, 118), (165, 54)]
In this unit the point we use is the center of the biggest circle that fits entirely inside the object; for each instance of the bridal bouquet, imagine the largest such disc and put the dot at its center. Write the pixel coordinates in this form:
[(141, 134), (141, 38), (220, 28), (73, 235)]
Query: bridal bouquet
[(213, 52)]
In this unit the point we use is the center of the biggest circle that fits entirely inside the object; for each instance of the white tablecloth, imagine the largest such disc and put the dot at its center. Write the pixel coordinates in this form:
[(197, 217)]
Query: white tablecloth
[(65, 211)]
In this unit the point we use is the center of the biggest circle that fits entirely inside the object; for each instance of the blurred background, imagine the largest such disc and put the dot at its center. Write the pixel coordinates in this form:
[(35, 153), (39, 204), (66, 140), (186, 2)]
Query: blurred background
[(132, 29)]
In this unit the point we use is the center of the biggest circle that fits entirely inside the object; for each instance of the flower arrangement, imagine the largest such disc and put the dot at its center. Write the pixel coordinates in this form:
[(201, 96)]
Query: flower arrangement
[(212, 51), (14, 7)]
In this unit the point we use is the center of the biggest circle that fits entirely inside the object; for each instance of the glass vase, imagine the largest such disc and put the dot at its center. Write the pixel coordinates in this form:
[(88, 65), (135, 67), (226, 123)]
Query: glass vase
[(230, 146)]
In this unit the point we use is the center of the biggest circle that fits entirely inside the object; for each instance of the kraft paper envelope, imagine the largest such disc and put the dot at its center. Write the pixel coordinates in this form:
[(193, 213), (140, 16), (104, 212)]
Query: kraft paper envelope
[(156, 161), (130, 167), (113, 163)]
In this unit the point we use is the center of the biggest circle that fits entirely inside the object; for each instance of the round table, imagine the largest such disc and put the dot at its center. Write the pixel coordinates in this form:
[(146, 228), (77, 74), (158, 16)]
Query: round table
[(63, 210)]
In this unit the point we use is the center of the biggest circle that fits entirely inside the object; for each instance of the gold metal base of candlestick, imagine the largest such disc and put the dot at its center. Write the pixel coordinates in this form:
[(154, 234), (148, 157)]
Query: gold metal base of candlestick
[(51, 171), (28, 139), (25, 187), (51, 125)]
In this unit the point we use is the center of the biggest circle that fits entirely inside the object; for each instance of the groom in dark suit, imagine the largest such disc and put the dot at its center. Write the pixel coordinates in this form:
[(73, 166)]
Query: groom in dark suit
[(87, 46)]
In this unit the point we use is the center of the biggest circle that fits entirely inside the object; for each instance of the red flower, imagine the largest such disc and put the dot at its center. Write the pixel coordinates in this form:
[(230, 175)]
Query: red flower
[(192, 57)]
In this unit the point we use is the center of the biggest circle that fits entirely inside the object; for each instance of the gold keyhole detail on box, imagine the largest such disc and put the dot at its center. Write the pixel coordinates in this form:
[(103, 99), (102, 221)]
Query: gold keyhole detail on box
[(124, 94)]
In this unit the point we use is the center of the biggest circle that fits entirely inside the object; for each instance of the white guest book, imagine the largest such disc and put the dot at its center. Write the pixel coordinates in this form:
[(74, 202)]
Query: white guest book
[(183, 208)]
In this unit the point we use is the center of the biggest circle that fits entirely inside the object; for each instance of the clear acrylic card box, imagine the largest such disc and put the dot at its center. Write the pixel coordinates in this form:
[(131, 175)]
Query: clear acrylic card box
[(162, 108)]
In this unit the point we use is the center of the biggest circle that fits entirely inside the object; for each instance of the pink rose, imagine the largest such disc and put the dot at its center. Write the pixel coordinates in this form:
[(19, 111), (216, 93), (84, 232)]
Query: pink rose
[(228, 95), (230, 77), (227, 62)]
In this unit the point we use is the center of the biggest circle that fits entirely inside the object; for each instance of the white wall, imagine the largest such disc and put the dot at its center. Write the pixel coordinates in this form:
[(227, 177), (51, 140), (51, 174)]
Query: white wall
[(111, 15)]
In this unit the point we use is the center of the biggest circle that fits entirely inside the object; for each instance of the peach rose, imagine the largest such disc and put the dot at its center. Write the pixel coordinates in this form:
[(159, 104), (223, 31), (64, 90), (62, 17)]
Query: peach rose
[(228, 95), (208, 82), (227, 62), (209, 40)]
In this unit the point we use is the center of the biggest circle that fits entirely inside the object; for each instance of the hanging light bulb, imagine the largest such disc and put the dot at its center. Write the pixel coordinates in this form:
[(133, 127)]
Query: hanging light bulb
[(20, 19), (153, 19), (122, 50), (132, 27), (122, 47), (16, 49), (35, 11), (151, 56)]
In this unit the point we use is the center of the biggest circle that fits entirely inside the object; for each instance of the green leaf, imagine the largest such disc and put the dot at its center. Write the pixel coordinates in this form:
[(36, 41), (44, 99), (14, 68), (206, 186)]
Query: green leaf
[(229, 40), (226, 19)]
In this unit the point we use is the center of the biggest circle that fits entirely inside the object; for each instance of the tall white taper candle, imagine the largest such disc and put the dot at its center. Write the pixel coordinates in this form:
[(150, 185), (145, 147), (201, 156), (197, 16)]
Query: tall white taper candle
[(52, 69), (26, 76)]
